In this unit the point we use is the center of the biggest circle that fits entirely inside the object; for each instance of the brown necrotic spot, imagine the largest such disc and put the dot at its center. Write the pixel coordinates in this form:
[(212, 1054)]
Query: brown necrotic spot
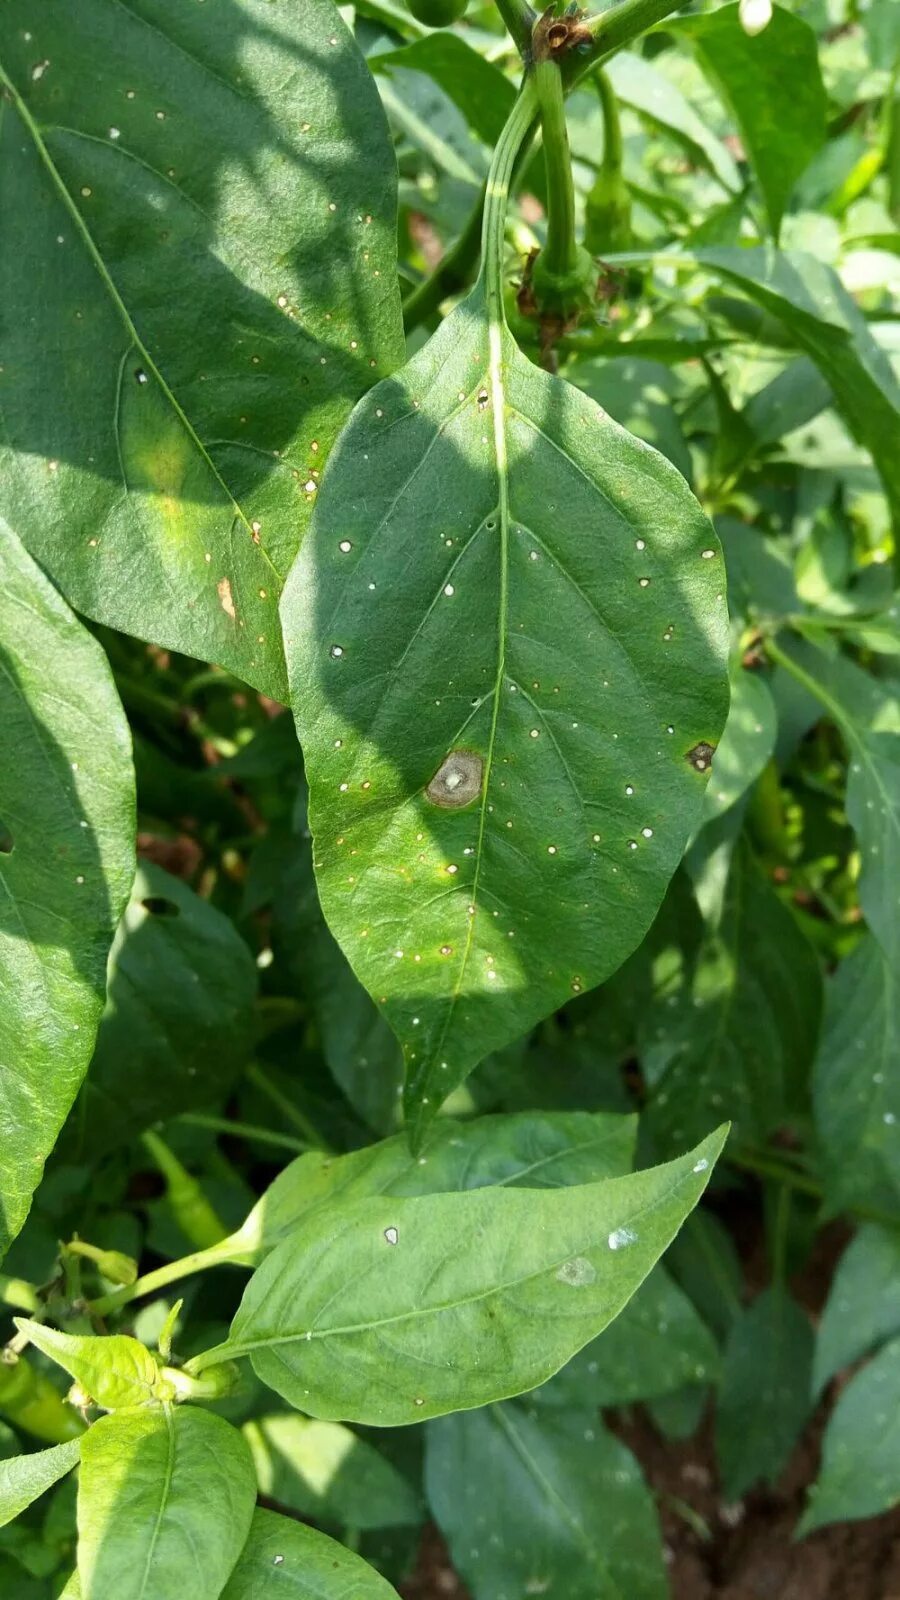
[(457, 781), (701, 756)]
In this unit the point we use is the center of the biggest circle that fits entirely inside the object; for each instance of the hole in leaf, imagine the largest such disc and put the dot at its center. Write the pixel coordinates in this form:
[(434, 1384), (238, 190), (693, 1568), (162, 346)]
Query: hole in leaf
[(159, 906)]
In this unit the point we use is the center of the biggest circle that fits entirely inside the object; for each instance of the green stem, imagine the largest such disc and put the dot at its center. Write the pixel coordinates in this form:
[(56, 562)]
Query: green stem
[(519, 18), (614, 29), (217, 1255), (245, 1130), (560, 251), (300, 1120), (612, 125), (765, 1167), (192, 1211), (451, 274), (493, 232)]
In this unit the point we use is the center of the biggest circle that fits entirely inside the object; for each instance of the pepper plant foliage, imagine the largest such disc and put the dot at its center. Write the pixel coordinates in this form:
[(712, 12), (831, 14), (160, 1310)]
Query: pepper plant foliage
[(515, 399)]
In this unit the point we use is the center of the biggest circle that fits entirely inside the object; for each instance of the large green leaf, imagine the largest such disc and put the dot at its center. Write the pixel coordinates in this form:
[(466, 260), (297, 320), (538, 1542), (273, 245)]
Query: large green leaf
[(856, 1087), (773, 85), (533, 1150), (204, 284), (66, 864), (165, 1501), (23, 1478), (506, 645), (325, 1472), (860, 1473), (543, 1503), (388, 1311), (765, 1397), (740, 1039), (863, 1305), (656, 1345), (283, 1560), (179, 1013)]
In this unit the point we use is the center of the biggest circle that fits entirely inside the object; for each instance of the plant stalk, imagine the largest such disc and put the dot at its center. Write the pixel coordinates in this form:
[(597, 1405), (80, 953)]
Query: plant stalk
[(560, 252), (612, 125), (217, 1255)]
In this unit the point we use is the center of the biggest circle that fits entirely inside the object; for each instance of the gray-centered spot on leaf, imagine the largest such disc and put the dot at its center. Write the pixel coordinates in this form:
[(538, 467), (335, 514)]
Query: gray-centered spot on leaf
[(457, 781), (701, 756)]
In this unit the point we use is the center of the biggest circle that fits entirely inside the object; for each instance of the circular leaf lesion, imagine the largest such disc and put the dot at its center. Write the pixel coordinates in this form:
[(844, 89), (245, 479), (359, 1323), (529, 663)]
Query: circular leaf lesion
[(457, 781)]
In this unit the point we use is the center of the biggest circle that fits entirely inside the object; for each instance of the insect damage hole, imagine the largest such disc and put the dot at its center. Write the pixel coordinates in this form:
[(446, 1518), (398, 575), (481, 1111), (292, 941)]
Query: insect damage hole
[(457, 781)]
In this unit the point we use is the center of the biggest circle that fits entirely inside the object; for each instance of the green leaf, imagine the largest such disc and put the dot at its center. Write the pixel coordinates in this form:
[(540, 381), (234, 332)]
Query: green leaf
[(746, 744), (741, 1038), (543, 1503), (644, 87), (808, 297), (24, 1478), (115, 1371), (389, 1311), (863, 1305), (773, 86), (704, 1261), (504, 590), (765, 1395), (860, 1473), (205, 283), (66, 864), (478, 89), (178, 1021), (855, 1087), (534, 1150), (873, 810), (326, 1473), (165, 1501), (638, 394), (656, 1345), (283, 1560)]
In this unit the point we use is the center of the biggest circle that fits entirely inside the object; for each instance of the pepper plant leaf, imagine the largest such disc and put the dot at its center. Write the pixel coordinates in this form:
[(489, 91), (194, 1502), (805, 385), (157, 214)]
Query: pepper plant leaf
[(165, 1501), (506, 641), (23, 1478), (205, 281), (863, 1306), (388, 1311), (66, 864), (773, 84), (543, 1503), (860, 1474), (284, 1560)]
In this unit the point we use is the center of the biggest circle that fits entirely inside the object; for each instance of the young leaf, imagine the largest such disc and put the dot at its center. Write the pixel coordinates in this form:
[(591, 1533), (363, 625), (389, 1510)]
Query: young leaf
[(543, 1503), (505, 605), (860, 1474), (773, 85), (863, 1305), (24, 1478), (389, 1311), (178, 1020), (206, 283), (283, 1560), (534, 1150), (115, 1371), (742, 1038), (765, 1395), (328, 1474), (855, 1087), (66, 864), (165, 1501), (655, 1346)]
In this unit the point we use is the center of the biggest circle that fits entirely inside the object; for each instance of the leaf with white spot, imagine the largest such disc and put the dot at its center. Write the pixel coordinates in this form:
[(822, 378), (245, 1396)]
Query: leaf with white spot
[(388, 1311), (204, 283), (506, 641), (66, 863), (863, 1305), (284, 1560)]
